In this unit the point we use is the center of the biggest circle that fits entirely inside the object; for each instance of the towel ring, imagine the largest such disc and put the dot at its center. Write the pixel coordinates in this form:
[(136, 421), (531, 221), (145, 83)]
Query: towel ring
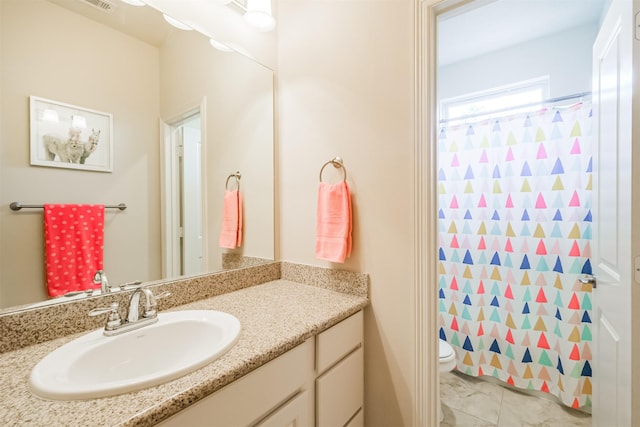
[(237, 176), (337, 163)]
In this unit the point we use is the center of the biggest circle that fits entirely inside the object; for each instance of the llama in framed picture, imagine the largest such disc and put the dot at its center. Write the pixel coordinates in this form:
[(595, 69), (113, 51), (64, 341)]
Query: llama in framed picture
[(69, 136)]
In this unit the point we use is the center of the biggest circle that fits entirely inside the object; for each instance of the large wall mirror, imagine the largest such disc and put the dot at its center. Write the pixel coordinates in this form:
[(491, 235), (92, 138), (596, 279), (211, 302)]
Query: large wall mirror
[(185, 117)]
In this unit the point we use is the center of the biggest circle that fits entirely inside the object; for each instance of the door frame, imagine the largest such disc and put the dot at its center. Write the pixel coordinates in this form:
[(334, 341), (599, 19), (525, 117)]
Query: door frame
[(635, 231), (426, 390), (426, 358), (170, 195)]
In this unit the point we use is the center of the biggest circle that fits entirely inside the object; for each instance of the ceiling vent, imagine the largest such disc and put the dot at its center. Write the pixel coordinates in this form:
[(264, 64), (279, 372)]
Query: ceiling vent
[(103, 5), (239, 5)]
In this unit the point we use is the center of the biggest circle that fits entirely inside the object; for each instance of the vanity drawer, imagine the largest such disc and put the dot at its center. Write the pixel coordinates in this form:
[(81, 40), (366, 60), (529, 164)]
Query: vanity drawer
[(338, 341), (340, 392)]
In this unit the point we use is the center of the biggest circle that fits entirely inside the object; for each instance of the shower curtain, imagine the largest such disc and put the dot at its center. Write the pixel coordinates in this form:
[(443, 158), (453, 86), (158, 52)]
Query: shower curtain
[(514, 237)]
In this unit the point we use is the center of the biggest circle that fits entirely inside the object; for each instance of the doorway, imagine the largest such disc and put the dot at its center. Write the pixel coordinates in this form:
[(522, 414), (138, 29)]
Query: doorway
[(184, 197), (429, 169)]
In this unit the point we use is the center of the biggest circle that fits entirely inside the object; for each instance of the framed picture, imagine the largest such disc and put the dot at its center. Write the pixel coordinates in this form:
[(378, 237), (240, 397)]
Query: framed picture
[(68, 136)]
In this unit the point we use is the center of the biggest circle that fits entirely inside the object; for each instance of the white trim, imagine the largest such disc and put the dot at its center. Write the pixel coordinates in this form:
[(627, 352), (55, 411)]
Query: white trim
[(164, 182), (426, 387), (203, 188), (635, 237)]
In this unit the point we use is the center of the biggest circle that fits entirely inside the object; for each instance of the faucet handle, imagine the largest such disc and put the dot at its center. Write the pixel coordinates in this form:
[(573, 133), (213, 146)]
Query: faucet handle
[(152, 307), (131, 285), (162, 295), (113, 320)]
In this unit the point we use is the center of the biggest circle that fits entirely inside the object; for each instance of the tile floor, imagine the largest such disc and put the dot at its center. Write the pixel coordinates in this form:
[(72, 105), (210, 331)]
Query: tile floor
[(469, 401)]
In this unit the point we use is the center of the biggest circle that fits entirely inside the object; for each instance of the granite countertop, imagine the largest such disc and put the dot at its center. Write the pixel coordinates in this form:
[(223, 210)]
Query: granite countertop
[(275, 316)]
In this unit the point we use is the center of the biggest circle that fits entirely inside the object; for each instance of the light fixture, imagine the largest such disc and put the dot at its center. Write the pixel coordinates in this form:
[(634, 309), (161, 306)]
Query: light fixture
[(259, 15), (176, 23), (134, 2), (79, 122), (49, 115), (220, 46)]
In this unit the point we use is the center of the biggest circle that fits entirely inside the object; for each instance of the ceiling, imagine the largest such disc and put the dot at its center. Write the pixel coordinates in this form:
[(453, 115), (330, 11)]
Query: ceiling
[(476, 28), (142, 23), (484, 26)]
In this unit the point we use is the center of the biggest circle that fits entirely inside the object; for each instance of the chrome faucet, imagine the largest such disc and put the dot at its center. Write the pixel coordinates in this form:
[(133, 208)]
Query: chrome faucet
[(116, 326), (150, 307), (100, 278)]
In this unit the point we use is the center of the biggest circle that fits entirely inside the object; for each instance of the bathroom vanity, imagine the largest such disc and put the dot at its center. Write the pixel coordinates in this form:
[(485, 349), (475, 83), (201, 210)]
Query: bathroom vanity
[(328, 367), (299, 358)]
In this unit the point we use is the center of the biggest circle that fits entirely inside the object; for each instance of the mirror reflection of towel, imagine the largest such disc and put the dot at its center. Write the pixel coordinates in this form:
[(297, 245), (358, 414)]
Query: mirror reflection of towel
[(333, 222), (74, 246), (231, 233)]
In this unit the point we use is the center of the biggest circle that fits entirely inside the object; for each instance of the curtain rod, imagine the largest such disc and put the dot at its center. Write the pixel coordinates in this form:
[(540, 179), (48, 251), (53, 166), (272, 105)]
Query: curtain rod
[(531, 104), (15, 206)]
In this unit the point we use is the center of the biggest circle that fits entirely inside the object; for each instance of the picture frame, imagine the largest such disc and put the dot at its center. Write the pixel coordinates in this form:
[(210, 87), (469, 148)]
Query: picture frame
[(71, 137)]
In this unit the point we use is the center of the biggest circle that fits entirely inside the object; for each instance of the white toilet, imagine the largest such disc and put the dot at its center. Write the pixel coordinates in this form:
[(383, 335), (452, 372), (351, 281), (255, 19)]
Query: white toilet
[(447, 357), (447, 364)]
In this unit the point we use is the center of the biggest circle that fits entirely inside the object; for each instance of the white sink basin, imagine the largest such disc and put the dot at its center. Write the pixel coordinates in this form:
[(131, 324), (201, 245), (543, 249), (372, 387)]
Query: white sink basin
[(94, 365)]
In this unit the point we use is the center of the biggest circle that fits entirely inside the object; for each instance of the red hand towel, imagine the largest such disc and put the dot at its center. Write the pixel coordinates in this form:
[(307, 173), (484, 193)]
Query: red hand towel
[(333, 222), (74, 239), (231, 233)]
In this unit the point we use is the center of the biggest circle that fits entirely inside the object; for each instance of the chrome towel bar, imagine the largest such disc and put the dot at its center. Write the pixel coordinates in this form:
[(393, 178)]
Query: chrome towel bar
[(16, 206)]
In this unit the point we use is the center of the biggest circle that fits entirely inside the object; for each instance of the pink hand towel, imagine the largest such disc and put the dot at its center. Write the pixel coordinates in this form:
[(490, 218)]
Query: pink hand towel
[(333, 222), (74, 245), (231, 233)]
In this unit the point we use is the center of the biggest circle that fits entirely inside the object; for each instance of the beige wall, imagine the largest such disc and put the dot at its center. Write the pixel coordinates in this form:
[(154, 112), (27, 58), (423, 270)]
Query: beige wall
[(345, 88), (239, 132), (46, 53)]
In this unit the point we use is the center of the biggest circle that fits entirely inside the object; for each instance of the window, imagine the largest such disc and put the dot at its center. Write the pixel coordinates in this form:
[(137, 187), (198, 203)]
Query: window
[(495, 102)]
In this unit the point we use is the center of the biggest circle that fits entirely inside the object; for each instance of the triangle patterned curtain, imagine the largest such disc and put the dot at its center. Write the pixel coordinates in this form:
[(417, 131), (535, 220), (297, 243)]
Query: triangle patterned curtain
[(514, 238)]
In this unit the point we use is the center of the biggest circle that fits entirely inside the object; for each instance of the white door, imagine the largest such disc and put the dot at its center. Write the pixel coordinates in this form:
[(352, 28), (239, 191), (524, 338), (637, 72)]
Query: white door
[(184, 230), (191, 202), (170, 175), (612, 191)]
